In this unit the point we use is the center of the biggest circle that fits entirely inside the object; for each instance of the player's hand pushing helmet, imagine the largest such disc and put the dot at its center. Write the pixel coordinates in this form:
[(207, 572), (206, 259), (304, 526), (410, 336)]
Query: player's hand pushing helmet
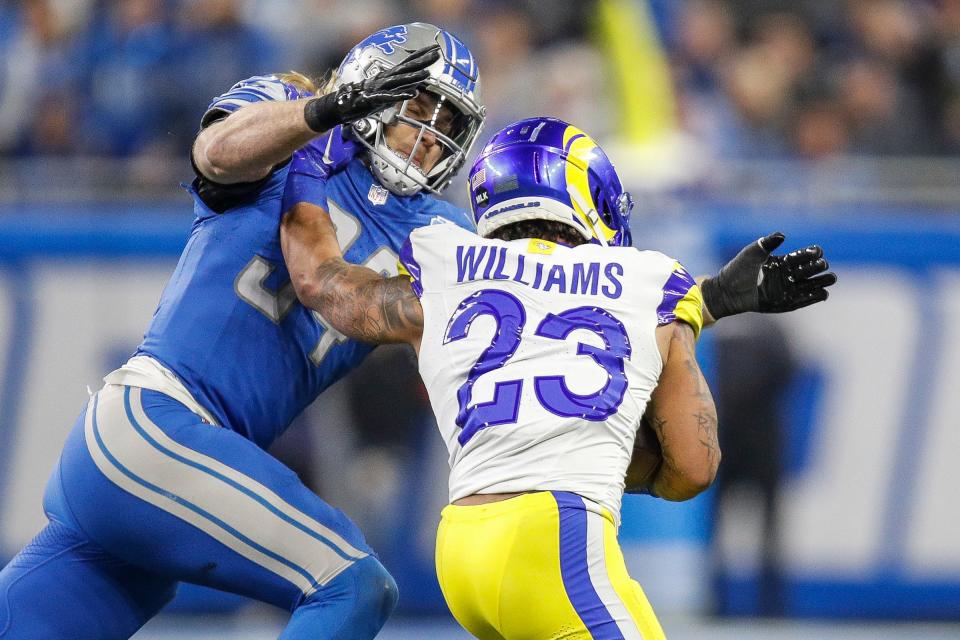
[(452, 81), (352, 101)]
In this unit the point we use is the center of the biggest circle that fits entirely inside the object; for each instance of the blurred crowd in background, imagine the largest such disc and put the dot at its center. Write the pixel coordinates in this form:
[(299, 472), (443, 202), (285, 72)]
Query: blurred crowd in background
[(752, 78), (812, 79)]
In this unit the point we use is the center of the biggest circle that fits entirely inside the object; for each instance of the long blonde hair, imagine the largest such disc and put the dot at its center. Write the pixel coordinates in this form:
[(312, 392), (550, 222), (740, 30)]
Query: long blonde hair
[(317, 86)]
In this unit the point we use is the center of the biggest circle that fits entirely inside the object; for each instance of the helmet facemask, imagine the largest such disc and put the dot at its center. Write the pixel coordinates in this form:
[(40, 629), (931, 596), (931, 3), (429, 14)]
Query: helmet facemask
[(427, 130)]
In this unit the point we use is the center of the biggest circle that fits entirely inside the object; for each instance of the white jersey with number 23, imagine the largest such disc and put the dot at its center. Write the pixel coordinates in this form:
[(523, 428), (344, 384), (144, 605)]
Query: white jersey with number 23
[(540, 359)]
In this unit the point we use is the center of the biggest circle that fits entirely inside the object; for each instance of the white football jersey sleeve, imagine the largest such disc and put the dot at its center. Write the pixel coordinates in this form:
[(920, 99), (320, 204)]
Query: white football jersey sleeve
[(539, 359)]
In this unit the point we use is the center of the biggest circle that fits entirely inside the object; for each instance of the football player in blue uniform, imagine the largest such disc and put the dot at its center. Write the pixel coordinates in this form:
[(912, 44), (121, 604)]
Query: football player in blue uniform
[(165, 478)]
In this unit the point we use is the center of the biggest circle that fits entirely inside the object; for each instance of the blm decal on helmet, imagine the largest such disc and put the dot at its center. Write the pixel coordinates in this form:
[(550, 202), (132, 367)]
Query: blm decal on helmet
[(508, 183)]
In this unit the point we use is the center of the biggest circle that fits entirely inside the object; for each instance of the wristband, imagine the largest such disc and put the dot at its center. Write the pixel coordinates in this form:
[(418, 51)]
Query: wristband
[(320, 114), (713, 298)]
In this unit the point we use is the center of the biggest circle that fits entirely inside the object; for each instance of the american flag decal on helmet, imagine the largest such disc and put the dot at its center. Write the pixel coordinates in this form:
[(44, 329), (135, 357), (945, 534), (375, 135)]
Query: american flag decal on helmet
[(479, 178)]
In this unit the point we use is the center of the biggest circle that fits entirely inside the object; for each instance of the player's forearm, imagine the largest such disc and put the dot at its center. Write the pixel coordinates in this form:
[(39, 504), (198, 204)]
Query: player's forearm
[(363, 305), (684, 418), (679, 480), (247, 144), (357, 301), (639, 478)]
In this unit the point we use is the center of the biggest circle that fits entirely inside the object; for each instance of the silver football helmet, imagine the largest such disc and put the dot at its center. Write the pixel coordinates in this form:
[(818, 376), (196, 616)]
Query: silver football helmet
[(455, 83)]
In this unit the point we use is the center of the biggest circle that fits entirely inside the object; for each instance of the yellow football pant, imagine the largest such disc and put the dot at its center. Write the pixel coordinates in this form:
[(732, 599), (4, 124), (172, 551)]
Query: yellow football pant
[(541, 566)]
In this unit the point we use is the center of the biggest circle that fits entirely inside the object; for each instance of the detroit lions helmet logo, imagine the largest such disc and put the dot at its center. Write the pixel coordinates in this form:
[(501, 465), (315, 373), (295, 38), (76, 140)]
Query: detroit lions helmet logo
[(385, 39)]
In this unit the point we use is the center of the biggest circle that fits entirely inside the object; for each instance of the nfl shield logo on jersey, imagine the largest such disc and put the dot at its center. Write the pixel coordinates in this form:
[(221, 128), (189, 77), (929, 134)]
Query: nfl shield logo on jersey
[(377, 194)]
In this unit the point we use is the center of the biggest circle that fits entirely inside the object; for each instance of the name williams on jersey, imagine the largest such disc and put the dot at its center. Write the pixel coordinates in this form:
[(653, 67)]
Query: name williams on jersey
[(485, 262)]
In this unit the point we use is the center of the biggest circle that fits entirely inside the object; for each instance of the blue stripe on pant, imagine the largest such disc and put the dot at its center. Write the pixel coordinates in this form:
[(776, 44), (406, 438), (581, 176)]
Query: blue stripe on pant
[(149, 489), (574, 568)]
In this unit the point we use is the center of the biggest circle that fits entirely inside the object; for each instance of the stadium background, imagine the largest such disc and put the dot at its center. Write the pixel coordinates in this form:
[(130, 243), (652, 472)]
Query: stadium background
[(835, 122)]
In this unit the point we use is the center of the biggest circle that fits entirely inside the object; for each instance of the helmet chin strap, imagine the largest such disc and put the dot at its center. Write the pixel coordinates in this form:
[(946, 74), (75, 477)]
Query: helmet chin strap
[(593, 218)]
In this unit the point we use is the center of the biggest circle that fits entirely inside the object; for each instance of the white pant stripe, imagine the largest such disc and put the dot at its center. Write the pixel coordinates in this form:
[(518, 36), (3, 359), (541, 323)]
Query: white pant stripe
[(178, 483), (246, 482), (597, 567)]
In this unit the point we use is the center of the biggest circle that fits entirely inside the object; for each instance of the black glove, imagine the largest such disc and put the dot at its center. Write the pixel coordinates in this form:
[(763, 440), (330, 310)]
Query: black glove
[(356, 100), (757, 281)]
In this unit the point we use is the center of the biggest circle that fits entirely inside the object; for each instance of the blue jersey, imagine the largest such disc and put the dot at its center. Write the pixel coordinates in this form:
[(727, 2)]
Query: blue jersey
[(229, 324)]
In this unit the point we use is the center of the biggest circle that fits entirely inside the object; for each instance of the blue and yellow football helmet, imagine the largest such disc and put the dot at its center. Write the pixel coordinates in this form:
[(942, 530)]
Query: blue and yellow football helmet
[(544, 168)]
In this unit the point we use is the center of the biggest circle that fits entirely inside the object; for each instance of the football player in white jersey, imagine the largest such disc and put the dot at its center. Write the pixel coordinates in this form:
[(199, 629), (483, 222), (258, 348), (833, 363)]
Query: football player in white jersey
[(543, 342)]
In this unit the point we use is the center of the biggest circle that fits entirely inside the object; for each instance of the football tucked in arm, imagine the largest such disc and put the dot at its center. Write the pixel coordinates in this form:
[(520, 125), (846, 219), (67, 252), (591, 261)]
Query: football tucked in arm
[(645, 460)]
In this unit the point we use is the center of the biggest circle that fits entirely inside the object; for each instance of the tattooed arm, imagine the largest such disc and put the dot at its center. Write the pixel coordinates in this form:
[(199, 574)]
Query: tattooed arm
[(356, 301), (682, 414)]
